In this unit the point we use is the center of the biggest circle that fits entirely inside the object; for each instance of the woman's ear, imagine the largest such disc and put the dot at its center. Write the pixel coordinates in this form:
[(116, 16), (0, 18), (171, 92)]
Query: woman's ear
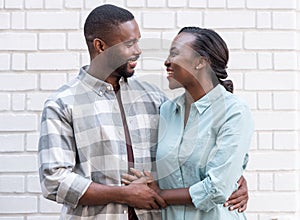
[(201, 62), (99, 45)]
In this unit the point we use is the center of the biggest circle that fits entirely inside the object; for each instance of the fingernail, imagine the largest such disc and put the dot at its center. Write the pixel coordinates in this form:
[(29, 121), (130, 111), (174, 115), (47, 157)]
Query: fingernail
[(226, 204)]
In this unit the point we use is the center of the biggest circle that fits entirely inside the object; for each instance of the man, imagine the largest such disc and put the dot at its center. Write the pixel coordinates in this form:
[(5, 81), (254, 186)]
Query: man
[(85, 145)]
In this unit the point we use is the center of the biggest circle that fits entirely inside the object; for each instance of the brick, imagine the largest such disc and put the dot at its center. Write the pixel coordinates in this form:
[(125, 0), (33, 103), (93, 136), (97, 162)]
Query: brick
[(265, 100), (257, 80), (33, 4), (1, 3), (284, 20), (17, 82), (18, 204), (18, 102), (197, 3), (53, 61), (189, 18), (278, 216), (285, 100), (18, 20), (18, 41), (150, 41), (266, 120), (237, 79), (176, 3), (33, 184), (52, 20), (4, 102), (167, 37), (158, 20), (52, 41), (32, 142), (260, 40), (12, 142), (52, 81), (35, 101), (234, 40), (50, 4), (281, 183), (18, 122), (265, 140), (18, 163), (156, 3), (266, 181), (286, 140), (84, 59), (115, 2), (18, 61), (5, 61), (153, 61), (229, 19), (285, 61), (44, 217), (254, 141), (11, 218), (236, 3), (91, 4), (252, 180), (76, 41), (73, 3), (5, 20), (48, 206), (264, 19), (272, 202), (136, 3), (271, 4), (13, 4), (216, 3), (265, 60), (242, 60), (249, 98), (12, 184), (153, 78), (272, 161)]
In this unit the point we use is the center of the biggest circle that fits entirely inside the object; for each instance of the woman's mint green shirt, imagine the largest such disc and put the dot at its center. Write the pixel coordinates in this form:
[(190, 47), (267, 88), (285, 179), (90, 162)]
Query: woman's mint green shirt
[(207, 155)]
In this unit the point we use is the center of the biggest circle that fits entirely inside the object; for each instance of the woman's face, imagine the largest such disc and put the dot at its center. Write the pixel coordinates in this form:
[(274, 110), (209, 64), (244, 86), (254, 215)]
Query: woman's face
[(182, 61)]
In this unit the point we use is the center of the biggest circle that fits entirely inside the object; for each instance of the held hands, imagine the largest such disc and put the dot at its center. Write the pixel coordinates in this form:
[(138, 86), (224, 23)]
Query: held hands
[(144, 192), (239, 198)]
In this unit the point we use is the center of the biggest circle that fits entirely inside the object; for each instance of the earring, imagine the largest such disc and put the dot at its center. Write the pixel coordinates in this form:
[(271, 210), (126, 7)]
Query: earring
[(197, 67)]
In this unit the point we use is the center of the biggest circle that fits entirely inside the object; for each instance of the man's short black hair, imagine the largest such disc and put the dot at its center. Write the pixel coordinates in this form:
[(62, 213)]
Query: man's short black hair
[(103, 19)]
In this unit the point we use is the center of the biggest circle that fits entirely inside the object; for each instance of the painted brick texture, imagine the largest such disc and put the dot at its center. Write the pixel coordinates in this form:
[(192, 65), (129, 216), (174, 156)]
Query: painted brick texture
[(42, 46)]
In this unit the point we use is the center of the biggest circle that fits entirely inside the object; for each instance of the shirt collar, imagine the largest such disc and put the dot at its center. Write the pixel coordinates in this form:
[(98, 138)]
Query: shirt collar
[(203, 103), (99, 86)]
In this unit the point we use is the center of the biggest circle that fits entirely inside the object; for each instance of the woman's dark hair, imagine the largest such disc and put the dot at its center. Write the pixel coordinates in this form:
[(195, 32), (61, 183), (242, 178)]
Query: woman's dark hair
[(211, 46), (103, 20)]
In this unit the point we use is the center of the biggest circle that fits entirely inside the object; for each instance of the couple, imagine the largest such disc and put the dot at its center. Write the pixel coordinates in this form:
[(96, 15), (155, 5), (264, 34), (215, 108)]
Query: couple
[(103, 123)]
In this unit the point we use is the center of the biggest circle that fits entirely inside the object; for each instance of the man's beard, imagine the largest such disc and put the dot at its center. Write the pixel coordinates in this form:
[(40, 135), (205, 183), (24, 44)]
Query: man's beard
[(122, 71)]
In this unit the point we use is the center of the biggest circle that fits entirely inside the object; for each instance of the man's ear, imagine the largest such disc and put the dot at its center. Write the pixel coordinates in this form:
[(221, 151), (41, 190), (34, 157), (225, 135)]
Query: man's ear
[(99, 45)]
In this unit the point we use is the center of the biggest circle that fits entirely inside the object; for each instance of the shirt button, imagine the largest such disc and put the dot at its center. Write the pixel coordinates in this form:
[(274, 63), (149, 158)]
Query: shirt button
[(101, 93), (109, 88), (125, 211)]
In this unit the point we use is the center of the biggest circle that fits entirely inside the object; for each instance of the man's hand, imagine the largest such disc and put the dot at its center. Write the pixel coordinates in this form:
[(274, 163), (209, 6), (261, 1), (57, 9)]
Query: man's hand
[(239, 198), (144, 193), (143, 197)]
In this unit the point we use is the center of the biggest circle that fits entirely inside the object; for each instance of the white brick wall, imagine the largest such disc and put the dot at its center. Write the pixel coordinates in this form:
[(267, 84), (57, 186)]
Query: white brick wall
[(42, 47)]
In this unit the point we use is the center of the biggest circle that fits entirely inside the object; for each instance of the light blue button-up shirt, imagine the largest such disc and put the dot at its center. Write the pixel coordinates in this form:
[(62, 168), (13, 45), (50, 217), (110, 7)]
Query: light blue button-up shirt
[(207, 155)]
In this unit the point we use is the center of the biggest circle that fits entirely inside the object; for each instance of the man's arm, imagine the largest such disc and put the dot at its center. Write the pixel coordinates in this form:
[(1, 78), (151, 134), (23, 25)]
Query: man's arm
[(136, 195)]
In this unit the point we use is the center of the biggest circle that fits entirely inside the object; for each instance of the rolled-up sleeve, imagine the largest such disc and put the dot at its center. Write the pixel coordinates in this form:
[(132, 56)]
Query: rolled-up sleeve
[(57, 157), (225, 165)]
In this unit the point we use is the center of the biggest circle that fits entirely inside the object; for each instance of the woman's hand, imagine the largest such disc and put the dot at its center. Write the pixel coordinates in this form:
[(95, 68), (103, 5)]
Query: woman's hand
[(239, 198)]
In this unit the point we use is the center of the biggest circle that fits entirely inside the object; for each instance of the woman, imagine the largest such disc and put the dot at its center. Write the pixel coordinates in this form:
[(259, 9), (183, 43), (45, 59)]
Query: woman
[(204, 134)]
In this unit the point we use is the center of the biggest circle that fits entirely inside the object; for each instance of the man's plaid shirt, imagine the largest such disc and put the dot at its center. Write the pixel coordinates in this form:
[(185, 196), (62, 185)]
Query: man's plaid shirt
[(82, 140)]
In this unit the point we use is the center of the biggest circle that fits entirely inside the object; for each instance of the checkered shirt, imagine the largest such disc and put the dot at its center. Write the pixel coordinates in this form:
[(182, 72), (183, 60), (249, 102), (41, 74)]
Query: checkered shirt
[(82, 140)]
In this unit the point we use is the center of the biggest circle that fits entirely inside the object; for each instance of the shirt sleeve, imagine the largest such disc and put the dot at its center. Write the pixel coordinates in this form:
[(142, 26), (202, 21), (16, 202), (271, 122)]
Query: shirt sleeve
[(57, 157), (226, 160)]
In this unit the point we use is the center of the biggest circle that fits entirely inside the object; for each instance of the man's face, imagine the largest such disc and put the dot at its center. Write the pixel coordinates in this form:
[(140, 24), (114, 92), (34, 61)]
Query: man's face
[(124, 50)]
